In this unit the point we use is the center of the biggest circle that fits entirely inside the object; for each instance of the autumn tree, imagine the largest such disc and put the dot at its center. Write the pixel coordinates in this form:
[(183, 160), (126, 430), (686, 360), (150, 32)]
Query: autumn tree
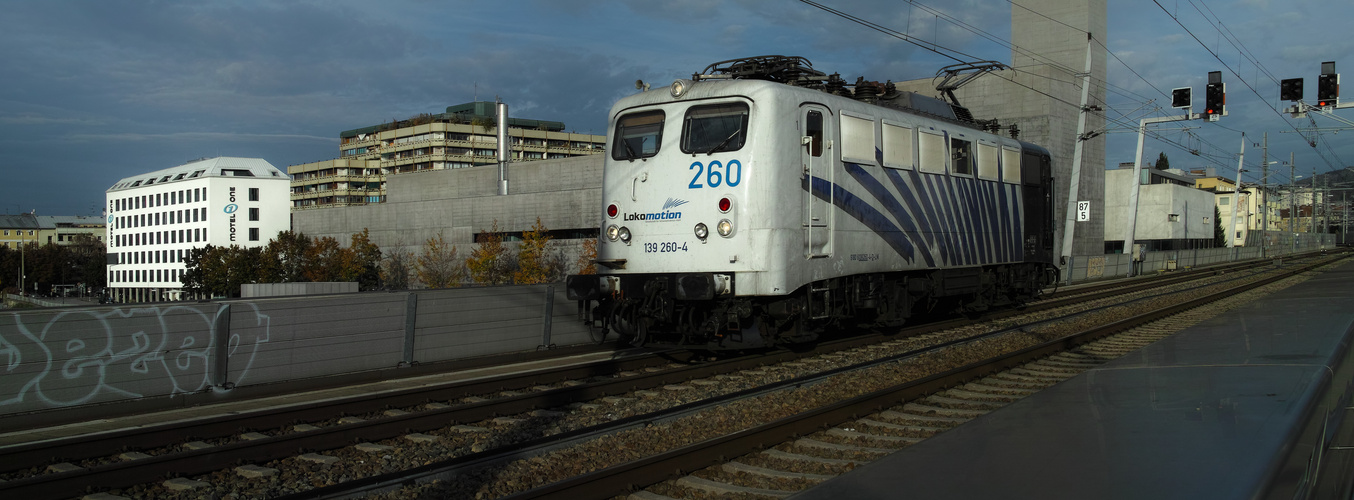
[(367, 258), (327, 261), (587, 258), (534, 263), (488, 263), (438, 266)]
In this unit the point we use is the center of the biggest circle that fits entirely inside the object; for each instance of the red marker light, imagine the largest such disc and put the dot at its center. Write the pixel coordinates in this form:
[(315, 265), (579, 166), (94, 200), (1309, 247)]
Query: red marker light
[(612, 210), (725, 204)]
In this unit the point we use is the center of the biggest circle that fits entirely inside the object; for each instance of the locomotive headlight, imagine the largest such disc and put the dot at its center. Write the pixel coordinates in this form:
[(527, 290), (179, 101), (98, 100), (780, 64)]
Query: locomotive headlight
[(725, 228), (613, 232), (625, 235), (679, 87), (701, 231)]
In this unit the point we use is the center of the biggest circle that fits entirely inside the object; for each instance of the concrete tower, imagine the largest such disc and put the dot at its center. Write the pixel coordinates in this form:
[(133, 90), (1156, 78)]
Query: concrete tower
[(1041, 94)]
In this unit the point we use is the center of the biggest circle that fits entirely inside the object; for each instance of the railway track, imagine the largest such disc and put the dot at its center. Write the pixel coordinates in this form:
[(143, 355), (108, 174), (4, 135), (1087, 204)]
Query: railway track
[(795, 452), (519, 417)]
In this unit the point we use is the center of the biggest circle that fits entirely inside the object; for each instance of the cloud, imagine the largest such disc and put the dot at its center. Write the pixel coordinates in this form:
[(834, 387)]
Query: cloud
[(198, 136)]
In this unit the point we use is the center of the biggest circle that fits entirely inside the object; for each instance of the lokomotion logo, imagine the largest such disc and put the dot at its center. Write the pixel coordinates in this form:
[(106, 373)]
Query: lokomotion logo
[(230, 209), (665, 214)]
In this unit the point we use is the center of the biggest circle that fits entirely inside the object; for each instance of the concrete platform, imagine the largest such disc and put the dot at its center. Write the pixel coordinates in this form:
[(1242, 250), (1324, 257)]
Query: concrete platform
[(1251, 404)]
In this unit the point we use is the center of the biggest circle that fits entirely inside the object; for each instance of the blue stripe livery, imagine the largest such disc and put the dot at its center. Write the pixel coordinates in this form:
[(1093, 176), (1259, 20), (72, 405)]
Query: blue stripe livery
[(943, 221)]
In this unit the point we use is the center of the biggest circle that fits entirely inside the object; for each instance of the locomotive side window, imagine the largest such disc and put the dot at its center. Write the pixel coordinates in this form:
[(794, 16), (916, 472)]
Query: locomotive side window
[(897, 146), (714, 128), (638, 135), (1010, 165), (931, 149), (987, 161), (814, 129), (961, 156), (858, 139)]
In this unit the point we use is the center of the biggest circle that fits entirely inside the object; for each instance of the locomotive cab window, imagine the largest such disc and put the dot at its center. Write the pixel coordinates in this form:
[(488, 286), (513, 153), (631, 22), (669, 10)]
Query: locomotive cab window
[(638, 135), (813, 128), (715, 128)]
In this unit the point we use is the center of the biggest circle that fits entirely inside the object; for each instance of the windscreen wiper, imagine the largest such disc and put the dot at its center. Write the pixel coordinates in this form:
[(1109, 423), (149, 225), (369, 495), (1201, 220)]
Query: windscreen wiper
[(629, 152), (723, 142)]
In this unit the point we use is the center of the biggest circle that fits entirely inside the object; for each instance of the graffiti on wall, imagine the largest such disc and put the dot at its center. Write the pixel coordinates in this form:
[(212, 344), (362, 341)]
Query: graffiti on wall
[(59, 359)]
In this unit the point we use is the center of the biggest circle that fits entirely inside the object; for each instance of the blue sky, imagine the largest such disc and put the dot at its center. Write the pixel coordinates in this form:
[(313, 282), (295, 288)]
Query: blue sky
[(94, 91)]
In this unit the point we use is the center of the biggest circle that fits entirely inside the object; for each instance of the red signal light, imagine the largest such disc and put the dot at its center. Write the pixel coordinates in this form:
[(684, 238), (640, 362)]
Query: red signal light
[(612, 210), (725, 204)]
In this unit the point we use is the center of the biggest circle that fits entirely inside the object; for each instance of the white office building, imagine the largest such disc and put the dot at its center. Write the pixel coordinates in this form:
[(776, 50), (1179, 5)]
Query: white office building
[(154, 219)]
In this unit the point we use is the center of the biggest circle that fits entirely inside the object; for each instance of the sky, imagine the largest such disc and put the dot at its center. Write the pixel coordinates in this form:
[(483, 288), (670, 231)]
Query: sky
[(94, 91)]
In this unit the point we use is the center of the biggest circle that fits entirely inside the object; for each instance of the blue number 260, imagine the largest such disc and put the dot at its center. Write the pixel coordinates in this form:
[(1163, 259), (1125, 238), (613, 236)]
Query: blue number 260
[(729, 175)]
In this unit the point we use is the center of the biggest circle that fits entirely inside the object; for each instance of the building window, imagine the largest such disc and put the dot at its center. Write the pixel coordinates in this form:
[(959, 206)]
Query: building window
[(253, 234), (253, 194), (253, 214)]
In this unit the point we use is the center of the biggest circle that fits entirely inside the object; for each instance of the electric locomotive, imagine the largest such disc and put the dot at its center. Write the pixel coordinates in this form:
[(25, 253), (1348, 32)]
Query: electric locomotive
[(762, 201)]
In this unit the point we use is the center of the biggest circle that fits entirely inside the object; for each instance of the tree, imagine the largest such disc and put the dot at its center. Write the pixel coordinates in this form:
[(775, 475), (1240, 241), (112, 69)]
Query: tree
[(534, 264), (395, 268), (1162, 163), (195, 273), (284, 259), (241, 268), (89, 260), (587, 258), (327, 261), (438, 266), (367, 257), (484, 122), (1219, 234), (488, 263)]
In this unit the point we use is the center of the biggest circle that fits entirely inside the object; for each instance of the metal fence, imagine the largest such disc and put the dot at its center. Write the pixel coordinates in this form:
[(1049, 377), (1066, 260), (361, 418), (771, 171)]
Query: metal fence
[(73, 356), (1086, 268)]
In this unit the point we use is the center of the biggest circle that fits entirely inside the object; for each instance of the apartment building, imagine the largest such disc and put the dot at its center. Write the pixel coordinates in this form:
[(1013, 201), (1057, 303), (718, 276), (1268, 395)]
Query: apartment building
[(48, 229), (464, 136), (156, 218)]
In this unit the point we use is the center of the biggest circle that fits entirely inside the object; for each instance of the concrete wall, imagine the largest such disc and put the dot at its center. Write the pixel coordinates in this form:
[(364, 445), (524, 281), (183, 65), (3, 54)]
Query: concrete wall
[(62, 358), (254, 290), (1155, 202), (458, 203)]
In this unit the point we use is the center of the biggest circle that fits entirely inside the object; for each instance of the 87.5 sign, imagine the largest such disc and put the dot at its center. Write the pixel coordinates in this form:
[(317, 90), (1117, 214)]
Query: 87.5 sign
[(715, 174), (1083, 211)]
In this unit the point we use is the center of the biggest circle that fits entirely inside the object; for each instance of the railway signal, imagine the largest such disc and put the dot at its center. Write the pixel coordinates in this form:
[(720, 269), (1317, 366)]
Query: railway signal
[(1181, 97), (1328, 86), (1215, 96), (1290, 89)]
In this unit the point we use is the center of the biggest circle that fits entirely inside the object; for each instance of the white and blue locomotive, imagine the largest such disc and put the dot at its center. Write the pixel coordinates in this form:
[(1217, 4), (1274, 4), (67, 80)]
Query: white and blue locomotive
[(756, 204)]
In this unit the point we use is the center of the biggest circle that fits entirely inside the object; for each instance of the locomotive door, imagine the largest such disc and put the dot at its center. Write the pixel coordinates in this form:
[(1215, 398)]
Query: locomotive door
[(816, 158)]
